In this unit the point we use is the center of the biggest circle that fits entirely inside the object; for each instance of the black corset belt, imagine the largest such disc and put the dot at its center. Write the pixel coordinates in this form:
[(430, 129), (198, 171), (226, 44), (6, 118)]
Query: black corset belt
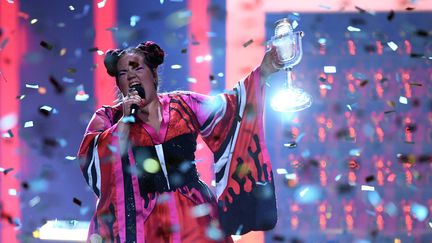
[(179, 156)]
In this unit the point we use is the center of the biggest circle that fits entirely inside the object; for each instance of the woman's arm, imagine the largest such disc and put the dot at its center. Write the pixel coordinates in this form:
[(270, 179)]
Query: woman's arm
[(269, 65)]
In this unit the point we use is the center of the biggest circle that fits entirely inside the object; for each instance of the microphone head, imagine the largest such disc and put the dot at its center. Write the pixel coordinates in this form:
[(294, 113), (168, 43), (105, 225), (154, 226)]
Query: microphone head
[(139, 89), (283, 27)]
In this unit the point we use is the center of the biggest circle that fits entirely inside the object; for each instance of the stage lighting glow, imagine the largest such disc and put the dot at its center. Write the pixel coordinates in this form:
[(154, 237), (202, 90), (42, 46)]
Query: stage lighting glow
[(63, 230), (291, 100)]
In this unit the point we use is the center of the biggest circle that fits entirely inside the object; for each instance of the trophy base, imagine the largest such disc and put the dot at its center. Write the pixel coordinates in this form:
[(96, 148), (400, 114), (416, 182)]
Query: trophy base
[(291, 100)]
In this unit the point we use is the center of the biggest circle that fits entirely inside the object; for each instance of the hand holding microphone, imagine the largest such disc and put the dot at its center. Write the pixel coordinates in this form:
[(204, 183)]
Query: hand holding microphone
[(134, 99)]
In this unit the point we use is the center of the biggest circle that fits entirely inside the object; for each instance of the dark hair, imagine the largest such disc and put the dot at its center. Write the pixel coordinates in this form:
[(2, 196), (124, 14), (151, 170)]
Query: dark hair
[(151, 52)]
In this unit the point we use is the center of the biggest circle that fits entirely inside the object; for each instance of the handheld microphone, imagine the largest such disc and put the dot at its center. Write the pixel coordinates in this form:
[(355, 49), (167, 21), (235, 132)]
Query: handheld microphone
[(134, 107)]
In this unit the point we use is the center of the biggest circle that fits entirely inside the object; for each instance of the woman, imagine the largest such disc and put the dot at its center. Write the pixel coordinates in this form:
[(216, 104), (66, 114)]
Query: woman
[(138, 157)]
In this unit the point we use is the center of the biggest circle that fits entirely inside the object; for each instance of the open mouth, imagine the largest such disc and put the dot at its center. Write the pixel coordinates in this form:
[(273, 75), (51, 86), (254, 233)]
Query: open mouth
[(134, 84)]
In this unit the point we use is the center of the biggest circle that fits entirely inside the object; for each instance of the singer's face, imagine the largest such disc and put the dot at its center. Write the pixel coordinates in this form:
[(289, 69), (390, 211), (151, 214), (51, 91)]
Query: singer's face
[(132, 70)]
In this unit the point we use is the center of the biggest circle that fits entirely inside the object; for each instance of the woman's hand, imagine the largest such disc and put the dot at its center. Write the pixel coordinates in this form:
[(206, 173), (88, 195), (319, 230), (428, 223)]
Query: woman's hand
[(131, 98), (269, 63)]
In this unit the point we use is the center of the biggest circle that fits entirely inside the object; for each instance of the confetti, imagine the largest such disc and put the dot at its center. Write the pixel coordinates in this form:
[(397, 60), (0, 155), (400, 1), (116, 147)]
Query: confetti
[(32, 86), (391, 209), (307, 194), (6, 171), (391, 15), (392, 45), (8, 134), (81, 95), (390, 111), (325, 86), (353, 29), (25, 185), (360, 9), (416, 84), (370, 178), (344, 188), (46, 45), (71, 8), (184, 50), (422, 33), (247, 43), (329, 69), (134, 20), (191, 80), (419, 211), (176, 66), (281, 171), (151, 165), (355, 152), (63, 51), (34, 201), (364, 82), (417, 55), (213, 232), (403, 100), (57, 86), (28, 124), (33, 21), (201, 210), (70, 157), (45, 110), (77, 201), (374, 198), (12, 192), (367, 188), (128, 119), (290, 145), (101, 4), (424, 158)]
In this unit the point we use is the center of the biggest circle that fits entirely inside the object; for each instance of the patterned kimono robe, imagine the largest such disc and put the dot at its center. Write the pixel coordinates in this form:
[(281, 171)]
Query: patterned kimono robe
[(168, 202)]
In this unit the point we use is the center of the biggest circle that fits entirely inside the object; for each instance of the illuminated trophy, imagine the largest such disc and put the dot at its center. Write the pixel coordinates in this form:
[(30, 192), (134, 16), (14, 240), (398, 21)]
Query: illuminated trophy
[(289, 52)]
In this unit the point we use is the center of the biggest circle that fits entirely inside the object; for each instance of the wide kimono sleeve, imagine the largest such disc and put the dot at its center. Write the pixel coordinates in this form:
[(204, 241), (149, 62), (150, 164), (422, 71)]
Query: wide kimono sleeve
[(231, 124), (95, 154)]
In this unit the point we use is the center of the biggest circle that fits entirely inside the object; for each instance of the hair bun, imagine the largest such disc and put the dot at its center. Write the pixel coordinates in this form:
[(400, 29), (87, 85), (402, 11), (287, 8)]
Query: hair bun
[(154, 55), (110, 61)]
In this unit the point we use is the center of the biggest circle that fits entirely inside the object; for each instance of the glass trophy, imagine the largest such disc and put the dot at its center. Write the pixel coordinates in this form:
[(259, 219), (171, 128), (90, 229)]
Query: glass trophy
[(288, 46)]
